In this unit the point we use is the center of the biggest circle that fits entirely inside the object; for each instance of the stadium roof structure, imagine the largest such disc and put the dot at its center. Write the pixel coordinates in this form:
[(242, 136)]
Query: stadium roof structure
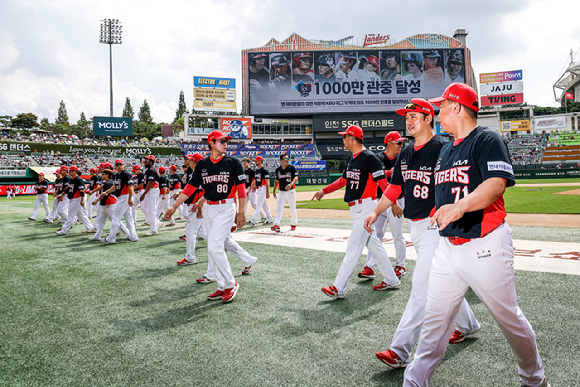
[(568, 81)]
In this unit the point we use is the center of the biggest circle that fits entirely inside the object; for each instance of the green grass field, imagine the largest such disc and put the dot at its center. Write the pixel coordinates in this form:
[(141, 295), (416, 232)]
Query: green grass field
[(77, 313)]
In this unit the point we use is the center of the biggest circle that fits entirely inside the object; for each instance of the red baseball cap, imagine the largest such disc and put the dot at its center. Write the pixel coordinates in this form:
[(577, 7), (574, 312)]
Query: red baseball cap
[(197, 157), (41, 174), (374, 61), (418, 105), (119, 161), (354, 131), (259, 158), (136, 167), (74, 168), (217, 135), (461, 93), (394, 136), (162, 170), (189, 157), (173, 168), (107, 165), (150, 157), (64, 168), (93, 170)]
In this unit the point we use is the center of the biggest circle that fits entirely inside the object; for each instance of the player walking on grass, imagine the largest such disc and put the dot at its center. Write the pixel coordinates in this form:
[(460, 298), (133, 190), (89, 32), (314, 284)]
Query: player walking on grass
[(163, 200), (150, 196), (138, 179), (63, 201), (41, 188), (286, 179), (262, 186), (75, 192), (107, 205), (55, 190), (393, 215), (476, 249), (251, 192), (413, 176), (362, 175), (220, 176), (175, 189), (123, 190), (94, 181)]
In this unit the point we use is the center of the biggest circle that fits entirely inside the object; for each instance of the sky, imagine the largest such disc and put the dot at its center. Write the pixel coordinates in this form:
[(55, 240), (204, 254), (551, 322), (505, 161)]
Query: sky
[(50, 50)]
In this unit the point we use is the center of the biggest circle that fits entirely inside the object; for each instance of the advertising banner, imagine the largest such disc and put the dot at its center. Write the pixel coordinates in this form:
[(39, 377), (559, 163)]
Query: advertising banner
[(40, 147), (214, 106), (550, 123), (12, 172), (319, 165), (502, 76), (504, 99), (21, 189), (225, 83), (501, 88), (340, 123), (515, 125), (237, 127), (378, 80), (214, 94), (113, 126)]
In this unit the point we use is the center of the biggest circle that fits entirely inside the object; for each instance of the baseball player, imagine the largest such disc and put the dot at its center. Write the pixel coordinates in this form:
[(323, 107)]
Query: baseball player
[(138, 179), (175, 189), (362, 175), (476, 249), (183, 207), (251, 193), (123, 190), (94, 181), (150, 196), (286, 179), (262, 186), (54, 213), (413, 176), (75, 192), (393, 215), (63, 199), (8, 192), (163, 192), (220, 176), (41, 188)]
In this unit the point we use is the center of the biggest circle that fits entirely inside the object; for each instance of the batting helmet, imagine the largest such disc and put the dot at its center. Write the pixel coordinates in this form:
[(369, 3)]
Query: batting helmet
[(297, 57), (279, 60), (415, 58)]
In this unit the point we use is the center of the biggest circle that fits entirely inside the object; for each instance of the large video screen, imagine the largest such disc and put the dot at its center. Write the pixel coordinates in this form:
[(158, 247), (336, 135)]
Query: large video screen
[(349, 81)]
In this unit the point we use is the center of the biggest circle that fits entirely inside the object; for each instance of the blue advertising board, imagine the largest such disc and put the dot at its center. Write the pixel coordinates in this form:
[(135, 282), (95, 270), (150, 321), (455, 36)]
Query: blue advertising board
[(224, 83), (113, 126), (318, 165)]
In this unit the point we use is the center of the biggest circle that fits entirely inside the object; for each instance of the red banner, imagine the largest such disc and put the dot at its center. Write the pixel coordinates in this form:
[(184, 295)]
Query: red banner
[(21, 189), (569, 96), (505, 99)]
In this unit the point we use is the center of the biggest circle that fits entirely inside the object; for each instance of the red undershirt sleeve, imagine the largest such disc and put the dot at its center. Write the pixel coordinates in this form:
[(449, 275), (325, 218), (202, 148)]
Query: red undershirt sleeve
[(393, 192), (241, 191), (189, 190), (384, 184), (388, 173), (338, 184)]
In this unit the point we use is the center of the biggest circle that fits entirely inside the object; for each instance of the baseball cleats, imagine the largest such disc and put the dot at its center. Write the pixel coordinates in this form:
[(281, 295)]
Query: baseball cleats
[(94, 239), (46, 220), (275, 228), (247, 270), (31, 218), (185, 262), (293, 227), (266, 223), (234, 228), (230, 293), (367, 272), (216, 296), (151, 233), (170, 224), (204, 280), (458, 337), (391, 359), (400, 271), (60, 232), (183, 238), (133, 240), (89, 231), (544, 384), (250, 224), (104, 240), (332, 292), (385, 286)]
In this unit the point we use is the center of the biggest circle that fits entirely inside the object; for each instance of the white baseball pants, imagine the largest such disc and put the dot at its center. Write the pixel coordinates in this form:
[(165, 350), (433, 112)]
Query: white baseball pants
[(262, 204), (107, 212), (62, 209), (283, 197), (425, 240), (41, 198), (54, 213), (251, 198), (75, 210), (383, 220), (136, 201), (122, 210), (194, 228), (358, 239), (92, 207), (162, 205), (486, 266), (149, 208), (218, 222)]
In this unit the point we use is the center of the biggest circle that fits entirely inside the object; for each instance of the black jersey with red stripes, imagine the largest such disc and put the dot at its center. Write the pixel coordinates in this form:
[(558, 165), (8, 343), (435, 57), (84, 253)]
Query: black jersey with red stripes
[(414, 174), (151, 175), (261, 175), (41, 187), (122, 182), (185, 180), (250, 176), (218, 179), (163, 182), (94, 181), (285, 176), (58, 186), (65, 180), (362, 173), (462, 166), (388, 164), (138, 179), (174, 181), (76, 188), (110, 198)]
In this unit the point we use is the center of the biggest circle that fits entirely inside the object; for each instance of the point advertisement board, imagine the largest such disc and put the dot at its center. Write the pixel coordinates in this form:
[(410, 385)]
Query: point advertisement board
[(237, 127)]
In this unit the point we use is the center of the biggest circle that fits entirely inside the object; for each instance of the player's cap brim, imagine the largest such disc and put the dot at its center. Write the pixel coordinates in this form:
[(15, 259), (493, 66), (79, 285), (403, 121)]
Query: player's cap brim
[(437, 101)]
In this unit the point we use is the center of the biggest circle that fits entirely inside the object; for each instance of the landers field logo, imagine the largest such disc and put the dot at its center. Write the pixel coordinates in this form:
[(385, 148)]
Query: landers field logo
[(371, 39)]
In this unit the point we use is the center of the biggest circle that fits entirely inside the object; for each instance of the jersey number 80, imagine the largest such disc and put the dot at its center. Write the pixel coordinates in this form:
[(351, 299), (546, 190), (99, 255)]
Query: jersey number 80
[(222, 188)]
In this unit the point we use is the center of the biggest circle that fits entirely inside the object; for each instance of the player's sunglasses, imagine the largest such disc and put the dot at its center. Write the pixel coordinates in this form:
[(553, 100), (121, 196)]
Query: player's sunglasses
[(285, 159), (222, 141), (397, 142), (118, 163), (414, 106)]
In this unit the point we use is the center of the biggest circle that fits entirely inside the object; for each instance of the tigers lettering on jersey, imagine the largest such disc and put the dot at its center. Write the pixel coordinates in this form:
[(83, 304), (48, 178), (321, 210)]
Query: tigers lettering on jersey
[(285, 176), (76, 188), (362, 174), (41, 187), (220, 178), (420, 176), (461, 168), (122, 182)]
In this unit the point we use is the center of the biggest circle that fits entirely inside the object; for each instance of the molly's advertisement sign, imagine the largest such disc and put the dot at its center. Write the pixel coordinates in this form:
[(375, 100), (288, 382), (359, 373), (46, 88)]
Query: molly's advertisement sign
[(113, 126)]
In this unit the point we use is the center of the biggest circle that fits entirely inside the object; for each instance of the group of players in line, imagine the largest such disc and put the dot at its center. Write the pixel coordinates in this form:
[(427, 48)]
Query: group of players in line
[(451, 193)]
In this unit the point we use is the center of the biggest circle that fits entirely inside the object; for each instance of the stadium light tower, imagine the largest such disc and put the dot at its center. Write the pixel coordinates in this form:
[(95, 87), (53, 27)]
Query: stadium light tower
[(111, 31)]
